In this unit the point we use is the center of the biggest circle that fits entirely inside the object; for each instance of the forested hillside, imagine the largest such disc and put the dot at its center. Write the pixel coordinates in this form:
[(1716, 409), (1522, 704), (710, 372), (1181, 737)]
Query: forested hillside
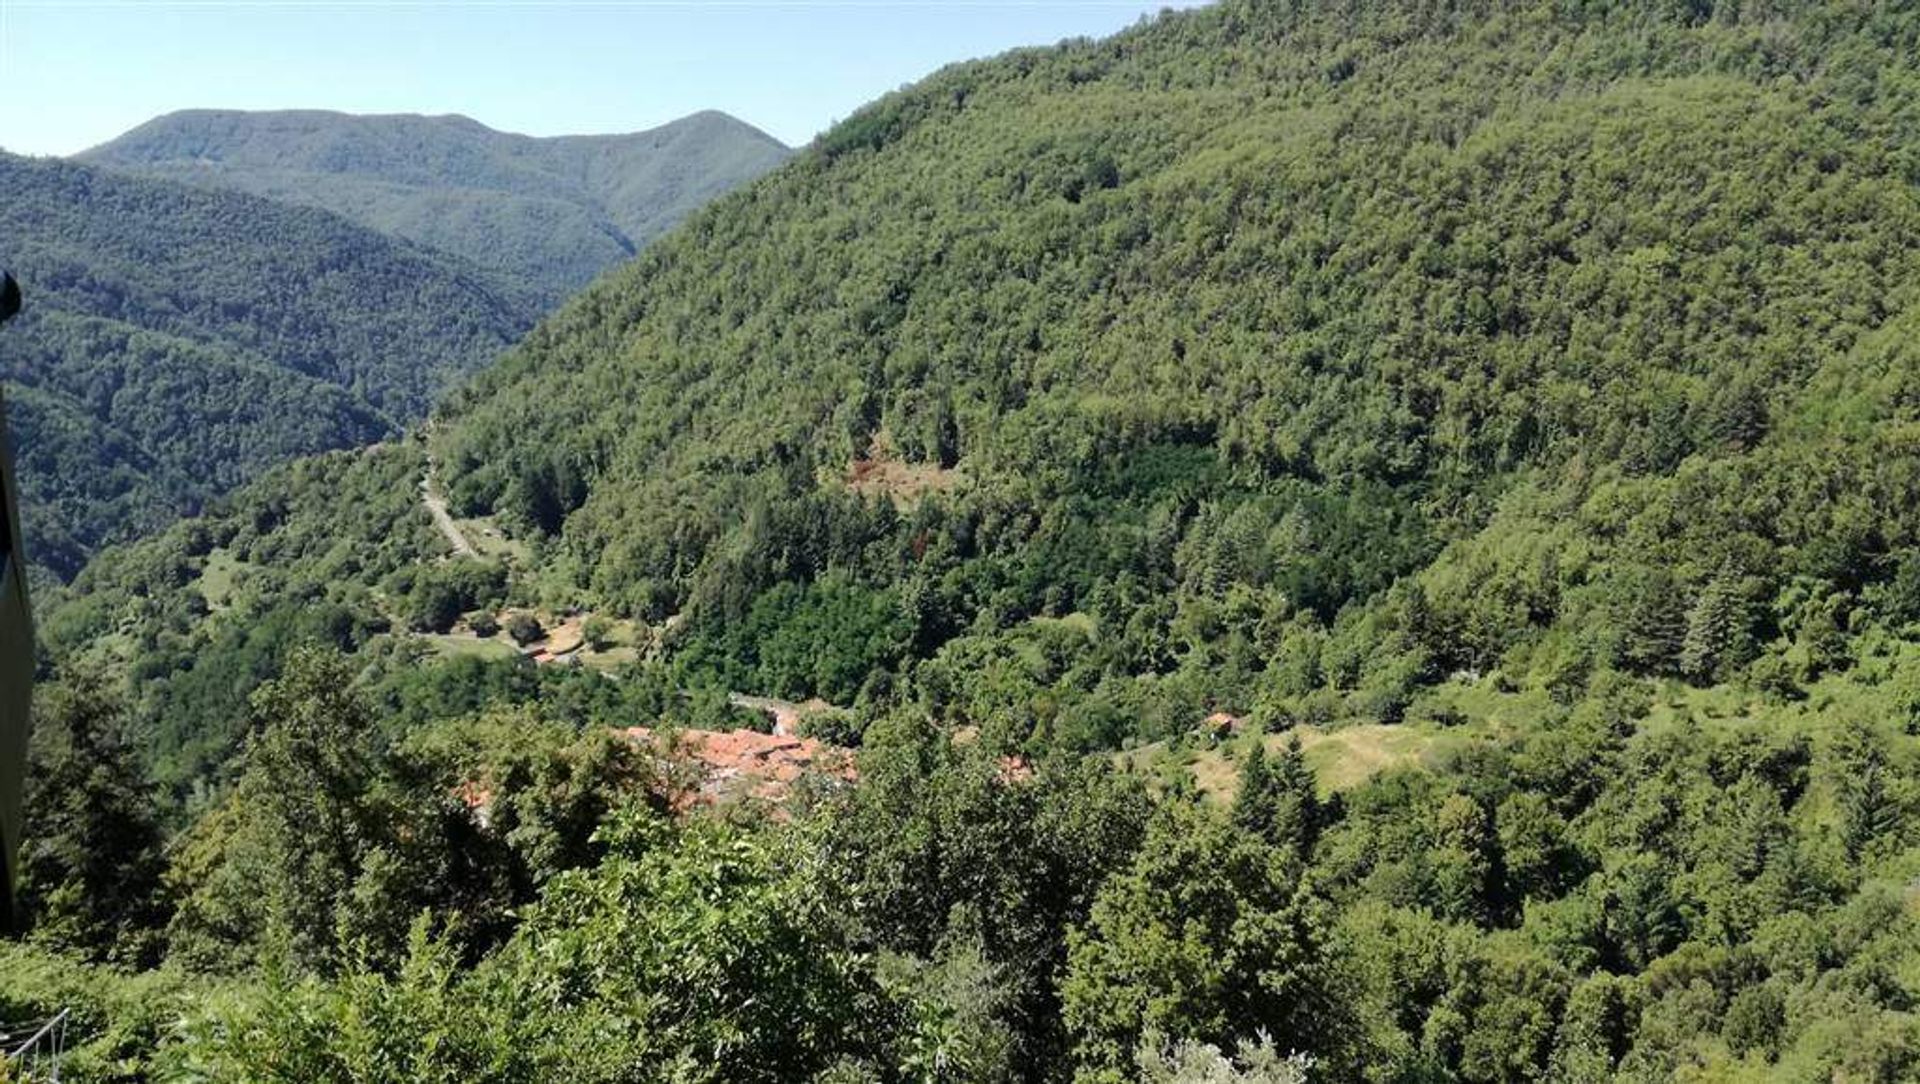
[(1350, 347), (549, 214), (177, 342), (1350, 541)]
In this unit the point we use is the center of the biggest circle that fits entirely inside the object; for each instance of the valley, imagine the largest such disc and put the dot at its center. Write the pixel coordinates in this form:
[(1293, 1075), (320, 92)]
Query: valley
[(179, 343), (188, 333), (1291, 543)]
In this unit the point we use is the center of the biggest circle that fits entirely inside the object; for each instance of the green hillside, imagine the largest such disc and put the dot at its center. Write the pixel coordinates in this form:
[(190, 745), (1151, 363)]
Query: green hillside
[(176, 342), (549, 214), (1341, 348), (1354, 541)]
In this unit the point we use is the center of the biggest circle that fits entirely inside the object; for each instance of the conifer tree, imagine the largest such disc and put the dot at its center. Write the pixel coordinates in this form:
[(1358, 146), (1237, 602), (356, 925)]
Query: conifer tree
[(1867, 810), (1719, 634), (1278, 800), (1297, 813), (91, 862), (1257, 802)]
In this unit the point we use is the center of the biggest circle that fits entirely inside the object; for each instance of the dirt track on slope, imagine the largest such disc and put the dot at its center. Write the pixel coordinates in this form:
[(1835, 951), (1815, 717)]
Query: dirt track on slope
[(437, 508)]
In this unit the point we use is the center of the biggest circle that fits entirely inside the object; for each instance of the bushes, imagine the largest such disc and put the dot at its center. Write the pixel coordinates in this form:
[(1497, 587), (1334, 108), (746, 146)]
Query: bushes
[(597, 632), (1554, 892), (524, 628), (121, 1028), (686, 956)]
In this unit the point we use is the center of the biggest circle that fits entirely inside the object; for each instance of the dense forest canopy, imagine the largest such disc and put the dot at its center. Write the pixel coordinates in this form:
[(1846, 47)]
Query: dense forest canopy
[(548, 214), (1538, 313), (1349, 542), (177, 342)]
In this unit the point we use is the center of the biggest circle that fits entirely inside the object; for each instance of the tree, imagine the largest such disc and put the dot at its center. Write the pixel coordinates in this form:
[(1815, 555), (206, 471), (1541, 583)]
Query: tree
[(91, 862), (1497, 1020), (598, 632), (1280, 803), (959, 1006), (1642, 921), (1533, 848), (941, 845), (697, 954), (1868, 810), (1256, 803), (1462, 859), (1652, 619), (524, 628), (1298, 814), (1208, 936), (1719, 634), (1595, 1030), (521, 796), (1256, 1062), (309, 853), (435, 604)]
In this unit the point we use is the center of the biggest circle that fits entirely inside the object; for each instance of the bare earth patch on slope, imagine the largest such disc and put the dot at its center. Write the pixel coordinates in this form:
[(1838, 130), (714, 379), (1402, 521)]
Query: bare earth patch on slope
[(883, 473)]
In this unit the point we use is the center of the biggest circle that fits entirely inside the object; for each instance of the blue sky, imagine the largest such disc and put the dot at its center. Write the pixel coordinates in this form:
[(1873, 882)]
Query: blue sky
[(78, 72)]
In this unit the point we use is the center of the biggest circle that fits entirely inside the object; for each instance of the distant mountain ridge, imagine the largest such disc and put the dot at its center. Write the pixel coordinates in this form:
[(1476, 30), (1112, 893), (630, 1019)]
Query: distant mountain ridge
[(178, 341), (1428, 492), (551, 212)]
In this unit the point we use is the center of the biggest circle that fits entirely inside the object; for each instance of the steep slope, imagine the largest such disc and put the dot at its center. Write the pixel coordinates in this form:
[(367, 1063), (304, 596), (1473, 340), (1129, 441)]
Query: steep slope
[(177, 341), (1459, 460), (548, 213), (1219, 330), (1280, 362)]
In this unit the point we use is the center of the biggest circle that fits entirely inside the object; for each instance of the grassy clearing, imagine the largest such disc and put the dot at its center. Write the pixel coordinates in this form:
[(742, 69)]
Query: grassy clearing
[(1345, 758), (1341, 757), (453, 646), (218, 578), (611, 659), (490, 542), (1881, 688), (563, 643)]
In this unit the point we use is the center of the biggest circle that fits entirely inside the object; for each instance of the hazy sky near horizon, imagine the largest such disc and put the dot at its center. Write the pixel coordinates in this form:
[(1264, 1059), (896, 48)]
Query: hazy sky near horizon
[(76, 73)]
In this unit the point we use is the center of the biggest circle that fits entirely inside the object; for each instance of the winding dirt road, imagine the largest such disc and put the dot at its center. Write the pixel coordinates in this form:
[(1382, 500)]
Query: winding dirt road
[(437, 508)]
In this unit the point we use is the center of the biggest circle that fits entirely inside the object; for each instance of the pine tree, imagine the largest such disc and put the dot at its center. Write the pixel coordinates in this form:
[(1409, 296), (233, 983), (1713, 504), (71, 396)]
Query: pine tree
[(91, 862), (1257, 802), (1719, 632), (1278, 800), (1867, 811), (1653, 621), (1297, 813)]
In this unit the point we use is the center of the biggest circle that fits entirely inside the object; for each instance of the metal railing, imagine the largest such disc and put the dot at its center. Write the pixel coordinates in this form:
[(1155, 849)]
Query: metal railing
[(31, 1051)]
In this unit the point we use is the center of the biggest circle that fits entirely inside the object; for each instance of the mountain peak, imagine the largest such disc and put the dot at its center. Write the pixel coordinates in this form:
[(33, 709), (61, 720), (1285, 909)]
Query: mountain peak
[(551, 211)]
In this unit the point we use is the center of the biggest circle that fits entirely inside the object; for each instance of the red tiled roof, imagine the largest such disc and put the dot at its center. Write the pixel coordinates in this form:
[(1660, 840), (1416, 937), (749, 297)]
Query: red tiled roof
[(738, 763)]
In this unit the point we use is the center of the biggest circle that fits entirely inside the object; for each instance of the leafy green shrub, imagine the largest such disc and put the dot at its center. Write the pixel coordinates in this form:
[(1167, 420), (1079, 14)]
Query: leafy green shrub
[(524, 628), (597, 631)]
